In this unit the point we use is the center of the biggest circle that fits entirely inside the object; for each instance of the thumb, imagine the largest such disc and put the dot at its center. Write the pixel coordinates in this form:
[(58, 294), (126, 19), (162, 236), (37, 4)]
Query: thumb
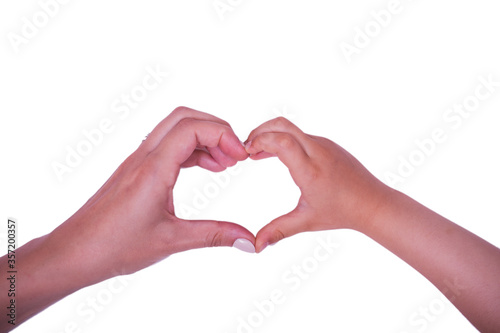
[(194, 234), (282, 227)]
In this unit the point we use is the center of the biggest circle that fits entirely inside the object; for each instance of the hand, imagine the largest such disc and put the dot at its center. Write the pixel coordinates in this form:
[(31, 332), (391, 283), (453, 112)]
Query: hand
[(337, 191), (130, 222)]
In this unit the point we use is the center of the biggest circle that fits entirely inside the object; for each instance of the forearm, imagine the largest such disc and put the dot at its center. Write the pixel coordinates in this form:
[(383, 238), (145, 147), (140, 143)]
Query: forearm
[(46, 273), (338, 192), (464, 267)]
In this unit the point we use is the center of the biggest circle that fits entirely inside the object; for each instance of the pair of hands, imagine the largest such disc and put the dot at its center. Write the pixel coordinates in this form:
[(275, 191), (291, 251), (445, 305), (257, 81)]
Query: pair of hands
[(135, 206), (130, 222)]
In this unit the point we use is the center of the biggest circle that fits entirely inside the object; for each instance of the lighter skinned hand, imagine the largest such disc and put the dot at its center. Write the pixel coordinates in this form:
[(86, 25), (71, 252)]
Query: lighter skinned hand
[(131, 221), (336, 190)]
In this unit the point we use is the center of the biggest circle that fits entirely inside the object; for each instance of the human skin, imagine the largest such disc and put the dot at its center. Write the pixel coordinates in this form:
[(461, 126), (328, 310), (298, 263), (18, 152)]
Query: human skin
[(130, 222), (134, 207), (337, 191)]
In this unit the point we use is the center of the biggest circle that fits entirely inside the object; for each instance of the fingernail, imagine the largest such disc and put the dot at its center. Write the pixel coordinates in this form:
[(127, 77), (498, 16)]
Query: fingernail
[(247, 145), (242, 143), (244, 245)]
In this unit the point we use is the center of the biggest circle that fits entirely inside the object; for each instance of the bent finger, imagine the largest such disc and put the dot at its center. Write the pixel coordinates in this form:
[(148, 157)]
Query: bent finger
[(262, 155), (166, 125), (221, 158), (204, 160), (282, 125), (179, 144), (282, 227), (285, 147)]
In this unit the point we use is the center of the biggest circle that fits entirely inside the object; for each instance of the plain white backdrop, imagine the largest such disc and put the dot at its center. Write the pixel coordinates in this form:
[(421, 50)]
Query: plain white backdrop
[(248, 61)]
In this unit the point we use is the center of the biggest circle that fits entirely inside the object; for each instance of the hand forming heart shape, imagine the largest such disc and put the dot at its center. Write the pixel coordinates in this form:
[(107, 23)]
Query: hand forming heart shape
[(328, 200), (136, 204), (130, 223)]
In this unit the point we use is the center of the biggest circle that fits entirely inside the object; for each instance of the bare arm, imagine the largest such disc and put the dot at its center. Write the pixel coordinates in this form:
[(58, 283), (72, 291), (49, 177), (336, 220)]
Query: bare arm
[(338, 192), (107, 236), (463, 266)]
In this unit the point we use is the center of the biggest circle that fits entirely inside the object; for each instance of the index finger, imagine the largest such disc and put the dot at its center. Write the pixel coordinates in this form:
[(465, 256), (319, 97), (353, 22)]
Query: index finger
[(282, 125), (168, 123), (287, 148), (178, 144)]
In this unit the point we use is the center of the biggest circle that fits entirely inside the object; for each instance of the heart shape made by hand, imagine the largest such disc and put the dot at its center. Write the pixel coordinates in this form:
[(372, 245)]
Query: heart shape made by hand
[(251, 192)]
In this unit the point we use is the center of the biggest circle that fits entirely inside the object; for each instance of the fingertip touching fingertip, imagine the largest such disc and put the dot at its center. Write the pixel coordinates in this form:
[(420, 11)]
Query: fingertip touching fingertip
[(242, 154), (248, 146)]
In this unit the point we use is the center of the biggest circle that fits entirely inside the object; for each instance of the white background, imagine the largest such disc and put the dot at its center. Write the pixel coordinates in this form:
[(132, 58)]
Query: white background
[(264, 58)]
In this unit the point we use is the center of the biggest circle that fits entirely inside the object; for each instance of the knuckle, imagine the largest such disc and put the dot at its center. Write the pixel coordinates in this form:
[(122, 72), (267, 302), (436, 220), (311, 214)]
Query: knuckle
[(180, 109), (145, 171), (312, 173), (285, 141), (322, 148), (279, 235), (185, 122), (214, 239), (281, 123), (135, 170), (275, 234)]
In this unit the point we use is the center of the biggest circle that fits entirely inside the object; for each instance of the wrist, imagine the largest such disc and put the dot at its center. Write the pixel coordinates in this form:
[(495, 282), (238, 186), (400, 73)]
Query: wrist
[(77, 255), (386, 200)]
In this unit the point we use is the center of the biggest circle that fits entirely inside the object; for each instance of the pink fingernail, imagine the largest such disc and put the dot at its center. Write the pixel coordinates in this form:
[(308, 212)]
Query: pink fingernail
[(244, 245)]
